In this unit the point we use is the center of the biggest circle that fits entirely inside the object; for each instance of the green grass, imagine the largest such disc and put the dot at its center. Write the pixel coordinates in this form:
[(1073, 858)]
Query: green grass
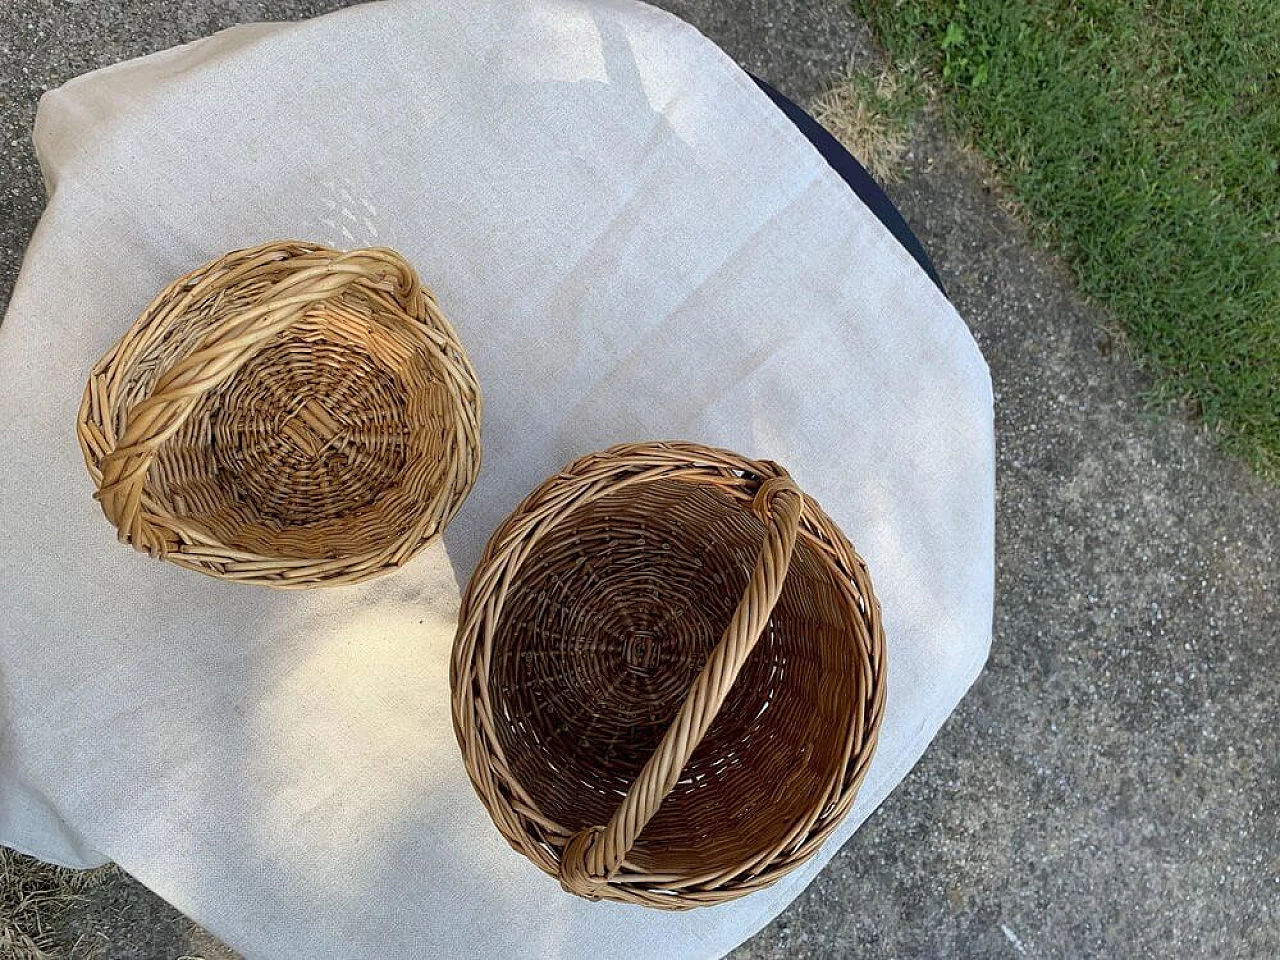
[(1144, 140)]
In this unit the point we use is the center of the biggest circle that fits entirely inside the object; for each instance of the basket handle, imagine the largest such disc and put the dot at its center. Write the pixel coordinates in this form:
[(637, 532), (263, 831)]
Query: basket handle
[(157, 418), (593, 855)]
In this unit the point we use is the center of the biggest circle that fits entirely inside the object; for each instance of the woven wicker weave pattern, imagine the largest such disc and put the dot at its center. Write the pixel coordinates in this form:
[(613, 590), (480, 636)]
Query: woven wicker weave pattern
[(668, 677), (287, 415)]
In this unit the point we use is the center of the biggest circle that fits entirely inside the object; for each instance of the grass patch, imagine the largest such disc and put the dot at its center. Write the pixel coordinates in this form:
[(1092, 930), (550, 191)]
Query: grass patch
[(1143, 139), (870, 113), (34, 899)]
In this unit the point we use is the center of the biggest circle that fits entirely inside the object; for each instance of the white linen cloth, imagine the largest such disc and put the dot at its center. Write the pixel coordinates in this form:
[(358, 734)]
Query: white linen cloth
[(634, 244)]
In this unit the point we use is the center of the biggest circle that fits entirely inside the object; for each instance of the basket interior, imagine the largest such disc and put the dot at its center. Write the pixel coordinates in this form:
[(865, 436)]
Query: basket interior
[(600, 639), (326, 443)]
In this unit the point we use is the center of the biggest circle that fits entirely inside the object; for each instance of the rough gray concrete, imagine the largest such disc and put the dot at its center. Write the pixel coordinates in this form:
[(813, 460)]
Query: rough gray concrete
[(123, 920), (1108, 787)]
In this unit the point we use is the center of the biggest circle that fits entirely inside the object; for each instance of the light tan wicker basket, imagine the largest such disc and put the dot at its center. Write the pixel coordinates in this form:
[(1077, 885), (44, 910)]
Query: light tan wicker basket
[(287, 415), (668, 678)]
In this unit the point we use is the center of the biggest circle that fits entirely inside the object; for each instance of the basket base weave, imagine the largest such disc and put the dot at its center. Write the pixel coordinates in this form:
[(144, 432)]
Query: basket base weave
[(315, 447)]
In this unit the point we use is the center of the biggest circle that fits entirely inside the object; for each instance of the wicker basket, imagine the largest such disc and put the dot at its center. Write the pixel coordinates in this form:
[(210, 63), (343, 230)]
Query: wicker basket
[(668, 677), (286, 415)]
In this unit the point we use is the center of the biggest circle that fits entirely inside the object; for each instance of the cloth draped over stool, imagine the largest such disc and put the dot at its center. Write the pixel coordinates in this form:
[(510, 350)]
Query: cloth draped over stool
[(633, 243)]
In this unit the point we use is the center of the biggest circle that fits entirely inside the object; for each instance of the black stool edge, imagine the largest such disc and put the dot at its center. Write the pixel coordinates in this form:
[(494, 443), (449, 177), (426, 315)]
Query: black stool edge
[(855, 175)]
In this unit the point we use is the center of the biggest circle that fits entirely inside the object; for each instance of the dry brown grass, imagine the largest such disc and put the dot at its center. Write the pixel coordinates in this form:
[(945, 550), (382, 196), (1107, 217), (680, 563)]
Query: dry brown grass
[(870, 112), (34, 898)]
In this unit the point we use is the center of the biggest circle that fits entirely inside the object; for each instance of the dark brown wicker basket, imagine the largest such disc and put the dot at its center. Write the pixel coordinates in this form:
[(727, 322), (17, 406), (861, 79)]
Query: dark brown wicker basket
[(669, 676)]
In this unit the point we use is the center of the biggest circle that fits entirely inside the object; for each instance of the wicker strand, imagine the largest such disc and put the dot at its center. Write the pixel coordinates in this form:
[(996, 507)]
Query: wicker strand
[(593, 856)]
